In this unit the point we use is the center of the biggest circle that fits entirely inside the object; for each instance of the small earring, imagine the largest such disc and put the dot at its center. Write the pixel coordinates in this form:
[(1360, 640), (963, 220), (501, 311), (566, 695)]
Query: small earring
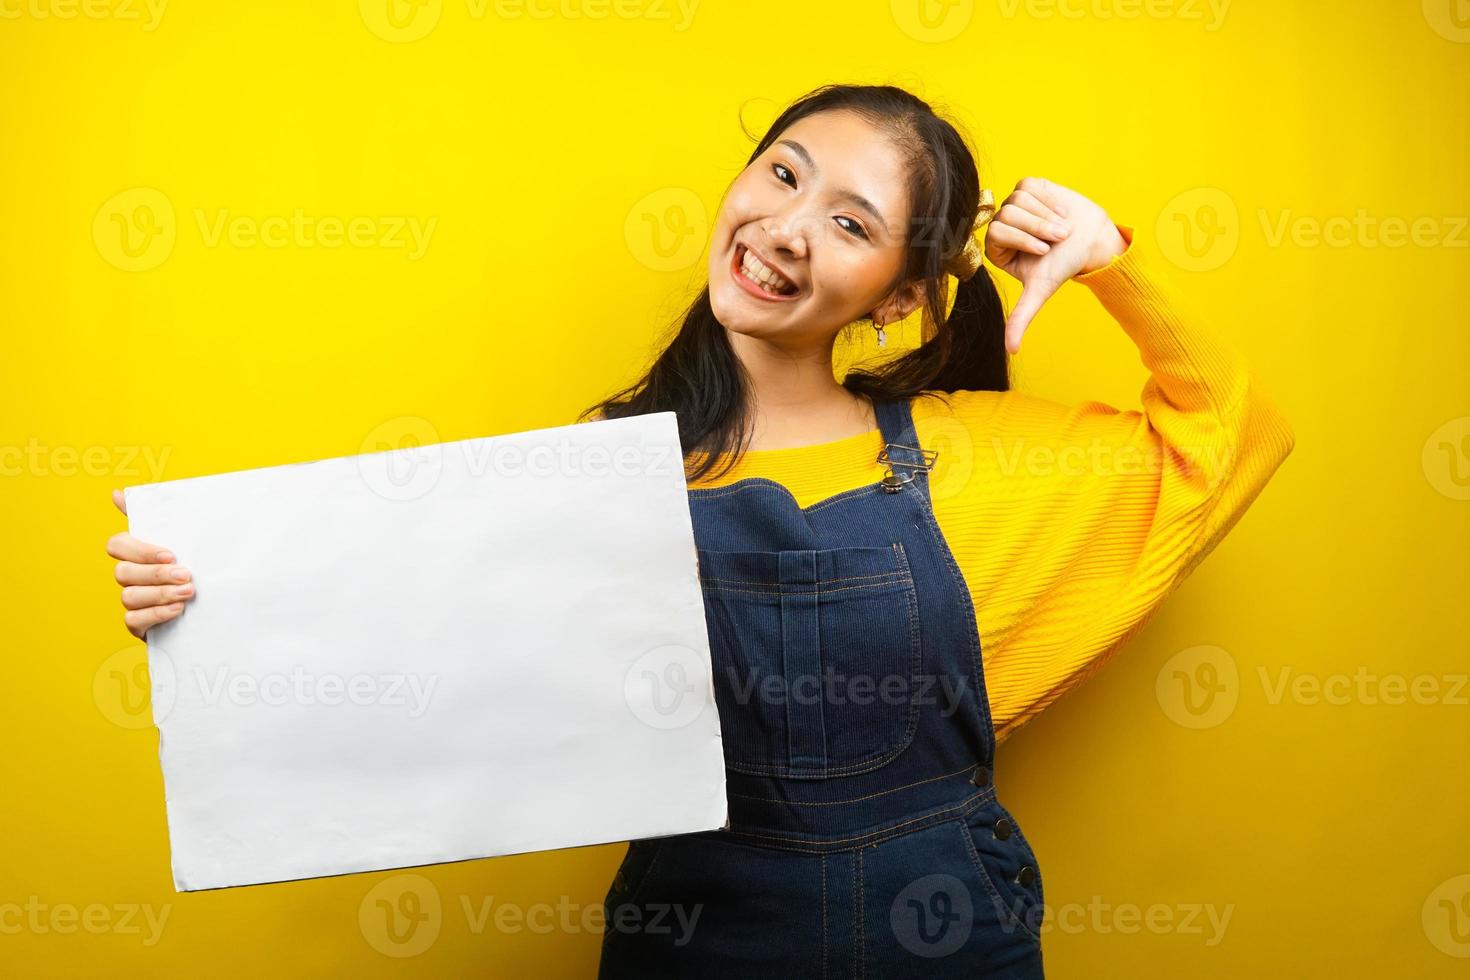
[(882, 337)]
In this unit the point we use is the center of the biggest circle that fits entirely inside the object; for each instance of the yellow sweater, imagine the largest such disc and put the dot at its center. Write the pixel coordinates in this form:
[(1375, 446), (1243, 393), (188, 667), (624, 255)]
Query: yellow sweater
[(1072, 523)]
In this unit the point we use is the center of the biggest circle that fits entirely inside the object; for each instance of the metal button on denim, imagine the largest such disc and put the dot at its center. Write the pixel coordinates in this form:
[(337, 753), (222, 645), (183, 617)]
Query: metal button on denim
[(1003, 828), (982, 776), (1027, 875)]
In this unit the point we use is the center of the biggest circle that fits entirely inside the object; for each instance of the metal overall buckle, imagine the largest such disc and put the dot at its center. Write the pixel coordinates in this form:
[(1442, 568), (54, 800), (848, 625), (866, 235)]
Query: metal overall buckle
[(893, 482)]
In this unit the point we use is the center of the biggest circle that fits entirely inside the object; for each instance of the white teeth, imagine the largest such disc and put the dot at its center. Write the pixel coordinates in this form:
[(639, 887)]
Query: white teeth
[(762, 273)]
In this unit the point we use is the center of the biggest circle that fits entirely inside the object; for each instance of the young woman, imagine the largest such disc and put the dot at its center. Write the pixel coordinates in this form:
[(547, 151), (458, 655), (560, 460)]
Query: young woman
[(902, 568)]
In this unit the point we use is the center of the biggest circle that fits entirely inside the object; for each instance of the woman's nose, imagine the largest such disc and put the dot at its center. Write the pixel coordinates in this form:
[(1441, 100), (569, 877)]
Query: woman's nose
[(788, 232)]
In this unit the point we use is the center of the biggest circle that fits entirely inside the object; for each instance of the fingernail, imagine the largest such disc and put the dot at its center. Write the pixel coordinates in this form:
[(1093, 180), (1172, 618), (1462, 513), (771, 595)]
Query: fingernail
[(186, 589), (181, 574), (165, 556), (1064, 229)]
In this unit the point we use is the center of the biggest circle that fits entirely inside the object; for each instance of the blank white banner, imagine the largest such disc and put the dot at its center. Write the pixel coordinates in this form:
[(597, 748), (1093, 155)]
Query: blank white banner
[(430, 654)]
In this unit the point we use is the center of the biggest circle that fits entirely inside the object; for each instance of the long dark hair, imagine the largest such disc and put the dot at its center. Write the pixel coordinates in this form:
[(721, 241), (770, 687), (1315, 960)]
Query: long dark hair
[(699, 377)]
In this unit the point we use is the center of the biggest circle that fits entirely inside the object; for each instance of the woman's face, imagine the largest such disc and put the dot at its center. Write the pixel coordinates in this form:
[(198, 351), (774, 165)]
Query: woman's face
[(824, 208)]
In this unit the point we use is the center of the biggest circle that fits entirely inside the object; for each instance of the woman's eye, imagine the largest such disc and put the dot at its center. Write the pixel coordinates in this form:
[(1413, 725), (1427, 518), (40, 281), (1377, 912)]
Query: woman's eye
[(782, 172)]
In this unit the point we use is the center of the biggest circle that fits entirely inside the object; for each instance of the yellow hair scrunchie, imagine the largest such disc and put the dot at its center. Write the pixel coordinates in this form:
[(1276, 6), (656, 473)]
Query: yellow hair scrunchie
[(967, 262)]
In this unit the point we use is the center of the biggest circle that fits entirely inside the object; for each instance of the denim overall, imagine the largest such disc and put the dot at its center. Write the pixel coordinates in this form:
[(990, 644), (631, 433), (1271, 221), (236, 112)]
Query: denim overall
[(865, 836)]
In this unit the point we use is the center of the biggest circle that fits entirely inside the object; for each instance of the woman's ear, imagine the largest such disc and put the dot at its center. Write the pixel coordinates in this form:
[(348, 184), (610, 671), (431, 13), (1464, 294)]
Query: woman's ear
[(900, 303)]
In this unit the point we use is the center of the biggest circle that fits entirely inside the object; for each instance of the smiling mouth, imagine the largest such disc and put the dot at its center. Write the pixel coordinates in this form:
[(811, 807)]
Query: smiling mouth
[(758, 278)]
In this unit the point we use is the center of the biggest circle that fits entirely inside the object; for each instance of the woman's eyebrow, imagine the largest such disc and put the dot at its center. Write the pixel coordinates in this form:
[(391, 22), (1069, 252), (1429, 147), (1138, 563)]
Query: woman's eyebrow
[(856, 199)]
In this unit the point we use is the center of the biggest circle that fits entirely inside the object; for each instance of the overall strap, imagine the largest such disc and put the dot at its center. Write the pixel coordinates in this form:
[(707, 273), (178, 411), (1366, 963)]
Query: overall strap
[(895, 421), (902, 451)]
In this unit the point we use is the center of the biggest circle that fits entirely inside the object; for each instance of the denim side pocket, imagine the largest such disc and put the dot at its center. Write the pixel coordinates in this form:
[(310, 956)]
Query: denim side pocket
[(628, 884), (1006, 866)]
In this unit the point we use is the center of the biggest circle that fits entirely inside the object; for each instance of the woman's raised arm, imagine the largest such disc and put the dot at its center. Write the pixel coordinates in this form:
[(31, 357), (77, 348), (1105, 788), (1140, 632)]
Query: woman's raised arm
[(1075, 522)]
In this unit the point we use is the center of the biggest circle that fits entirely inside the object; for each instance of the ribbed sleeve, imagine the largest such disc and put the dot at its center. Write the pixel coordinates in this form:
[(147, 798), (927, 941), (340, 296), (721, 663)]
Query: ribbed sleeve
[(1072, 523)]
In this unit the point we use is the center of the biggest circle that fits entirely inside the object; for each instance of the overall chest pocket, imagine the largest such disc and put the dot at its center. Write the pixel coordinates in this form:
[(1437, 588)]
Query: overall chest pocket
[(816, 657)]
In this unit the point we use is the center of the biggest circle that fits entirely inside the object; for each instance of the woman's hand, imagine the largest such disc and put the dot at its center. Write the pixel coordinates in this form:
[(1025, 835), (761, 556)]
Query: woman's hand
[(154, 588), (1018, 240)]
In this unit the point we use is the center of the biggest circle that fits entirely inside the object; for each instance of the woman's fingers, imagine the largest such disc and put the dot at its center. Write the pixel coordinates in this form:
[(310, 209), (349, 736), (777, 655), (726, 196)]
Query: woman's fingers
[(1052, 195), (1032, 203), (136, 573), (999, 235), (123, 545), (143, 563), (138, 621), (143, 596), (1032, 223), (154, 588)]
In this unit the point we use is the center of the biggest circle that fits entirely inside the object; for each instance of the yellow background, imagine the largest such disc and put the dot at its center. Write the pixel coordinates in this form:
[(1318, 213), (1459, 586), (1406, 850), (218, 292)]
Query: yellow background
[(571, 156)]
